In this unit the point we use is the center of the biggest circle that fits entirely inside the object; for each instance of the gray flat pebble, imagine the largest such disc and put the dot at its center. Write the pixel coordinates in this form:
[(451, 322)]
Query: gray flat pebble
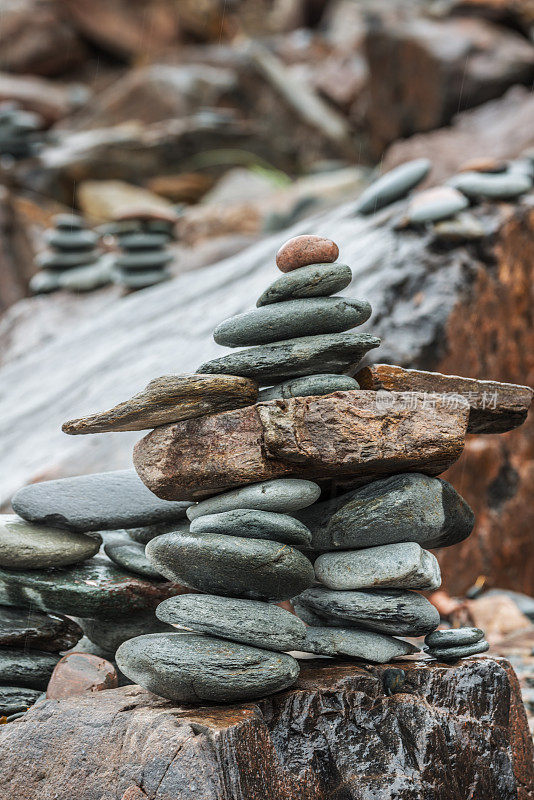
[(309, 386), (144, 534), (292, 319), (253, 524), (409, 507), (31, 669), (140, 279), (316, 280), (281, 495), (231, 565), (397, 566), (24, 545), (395, 611), (435, 204), (192, 669), (68, 222), (131, 556), (454, 637), (364, 645), (246, 621), (499, 186), (66, 259), (142, 241), (71, 240), (86, 278), (393, 185), (455, 653), (294, 358), (144, 259)]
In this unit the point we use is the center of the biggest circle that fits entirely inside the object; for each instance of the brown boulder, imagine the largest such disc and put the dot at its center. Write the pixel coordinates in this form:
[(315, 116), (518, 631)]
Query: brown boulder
[(335, 733), (77, 673)]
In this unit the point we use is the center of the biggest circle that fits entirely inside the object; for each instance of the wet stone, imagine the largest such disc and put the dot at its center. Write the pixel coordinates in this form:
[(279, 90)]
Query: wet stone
[(462, 651), (435, 204), (245, 621), (131, 556), (108, 634), (409, 507), (71, 240), (102, 501), (233, 566), (77, 673), (21, 628), (145, 534), (315, 280), (397, 566), (462, 228), (149, 259), (502, 186), (191, 668), (282, 495), (393, 185), (252, 524), (311, 385), (454, 637), (66, 259), (27, 546), (395, 611), (14, 699), (301, 251), (293, 318), (140, 279), (294, 358), (365, 645), (31, 669)]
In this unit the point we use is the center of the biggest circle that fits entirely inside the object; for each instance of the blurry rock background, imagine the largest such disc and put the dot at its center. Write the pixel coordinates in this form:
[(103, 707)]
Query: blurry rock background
[(257, 120)]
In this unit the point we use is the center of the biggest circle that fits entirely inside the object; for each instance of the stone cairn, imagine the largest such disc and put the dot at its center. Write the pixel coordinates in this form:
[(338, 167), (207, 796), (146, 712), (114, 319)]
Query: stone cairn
[(19, 131), (143, 237), (73, 260)]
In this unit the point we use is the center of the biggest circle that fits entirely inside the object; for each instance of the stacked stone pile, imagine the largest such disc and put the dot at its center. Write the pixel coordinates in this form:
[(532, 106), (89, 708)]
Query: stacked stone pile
[(19, 131), (73, 260), (143, 237)]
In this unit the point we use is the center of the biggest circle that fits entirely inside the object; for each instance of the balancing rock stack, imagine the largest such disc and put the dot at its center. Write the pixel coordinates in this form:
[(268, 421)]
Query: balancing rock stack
[(73, 260), (19, 131), (143, 237)]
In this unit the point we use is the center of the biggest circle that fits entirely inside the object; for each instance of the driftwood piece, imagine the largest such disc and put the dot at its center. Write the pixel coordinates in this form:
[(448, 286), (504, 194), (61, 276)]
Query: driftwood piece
[(346, 434), (493, 407)]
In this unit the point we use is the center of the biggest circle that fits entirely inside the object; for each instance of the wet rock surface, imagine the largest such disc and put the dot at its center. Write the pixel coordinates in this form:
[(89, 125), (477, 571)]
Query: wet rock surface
[(24, 628), (484, 733), (27, 546), (30, 669)]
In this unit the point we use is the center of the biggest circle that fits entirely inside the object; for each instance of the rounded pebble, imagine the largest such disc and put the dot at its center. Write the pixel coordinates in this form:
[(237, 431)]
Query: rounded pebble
[(301, 251), (253, 524), (315, 280), (393, 185), (281, 495), (454, 637), (440, 202), (27, 546), (455, 653), (131, 556), (309, 386), (502, 186)]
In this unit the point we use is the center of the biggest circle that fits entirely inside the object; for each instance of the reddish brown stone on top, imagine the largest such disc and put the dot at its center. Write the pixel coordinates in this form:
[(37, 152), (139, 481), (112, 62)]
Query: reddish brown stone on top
[(304, 250), (483, 165), (78, 673)]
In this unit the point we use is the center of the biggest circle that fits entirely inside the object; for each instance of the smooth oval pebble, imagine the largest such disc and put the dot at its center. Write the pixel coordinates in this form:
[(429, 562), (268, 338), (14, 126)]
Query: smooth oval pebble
[(282, 495), (315, 280), (145, 534), (65, 259), (144, 259), (131, 556), (293, 318), (245, 621), (27, 546), (435, 204), (142, 241), (78, 673), (68, 222), (74, 240), (393, 185), (453, 637), (455, 653), (231, 565), (253, 524), (301, 251), (140, 279), (501, 186), (309, 386), (365, 645), (189, 669)]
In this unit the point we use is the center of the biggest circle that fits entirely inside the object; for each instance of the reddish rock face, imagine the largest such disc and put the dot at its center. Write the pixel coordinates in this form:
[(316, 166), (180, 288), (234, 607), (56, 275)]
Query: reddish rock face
[(304, 250), (77, 673), (439, 737)]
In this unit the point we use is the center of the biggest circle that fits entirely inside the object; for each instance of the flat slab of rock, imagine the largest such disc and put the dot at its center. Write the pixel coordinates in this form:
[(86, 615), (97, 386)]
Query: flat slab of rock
[(493, 407), (29, 668), (343, 435), (102, 501), (254, 524), (27, 546), (22, 628), (14, 699), (77, 673), (335, 727), (169, 399), (365, 645)]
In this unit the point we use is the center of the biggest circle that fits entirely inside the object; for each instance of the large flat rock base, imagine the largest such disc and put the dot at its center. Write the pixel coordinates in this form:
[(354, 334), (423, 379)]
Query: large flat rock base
[(454, 732)]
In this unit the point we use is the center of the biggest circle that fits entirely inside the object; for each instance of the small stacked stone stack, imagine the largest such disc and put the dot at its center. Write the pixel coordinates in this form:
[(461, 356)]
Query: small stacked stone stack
[(73, 260), (455, 643), (143, 237), (18, 131)]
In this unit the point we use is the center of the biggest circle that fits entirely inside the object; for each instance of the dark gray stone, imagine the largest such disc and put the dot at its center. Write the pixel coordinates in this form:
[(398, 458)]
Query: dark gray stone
[(22, 628), (108, 634), (434, 204), (253, 524), (396, 566), (144, 259), (281, 495), (246, 621), (95, 588), (365, 645), (402, 508), (192, 669), (309, 386), (316, 280), (270, 363), (102, 501), (66, 259), (142, 241), (394, 611), (393, 185), (24, 545), (231, 565), (462, 651), (145, 534), (453, 637), (291, 319), (14, 699), (30, 669), (71, 240), (140, 279), (131, 556), (68, 222), (485, 185)]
